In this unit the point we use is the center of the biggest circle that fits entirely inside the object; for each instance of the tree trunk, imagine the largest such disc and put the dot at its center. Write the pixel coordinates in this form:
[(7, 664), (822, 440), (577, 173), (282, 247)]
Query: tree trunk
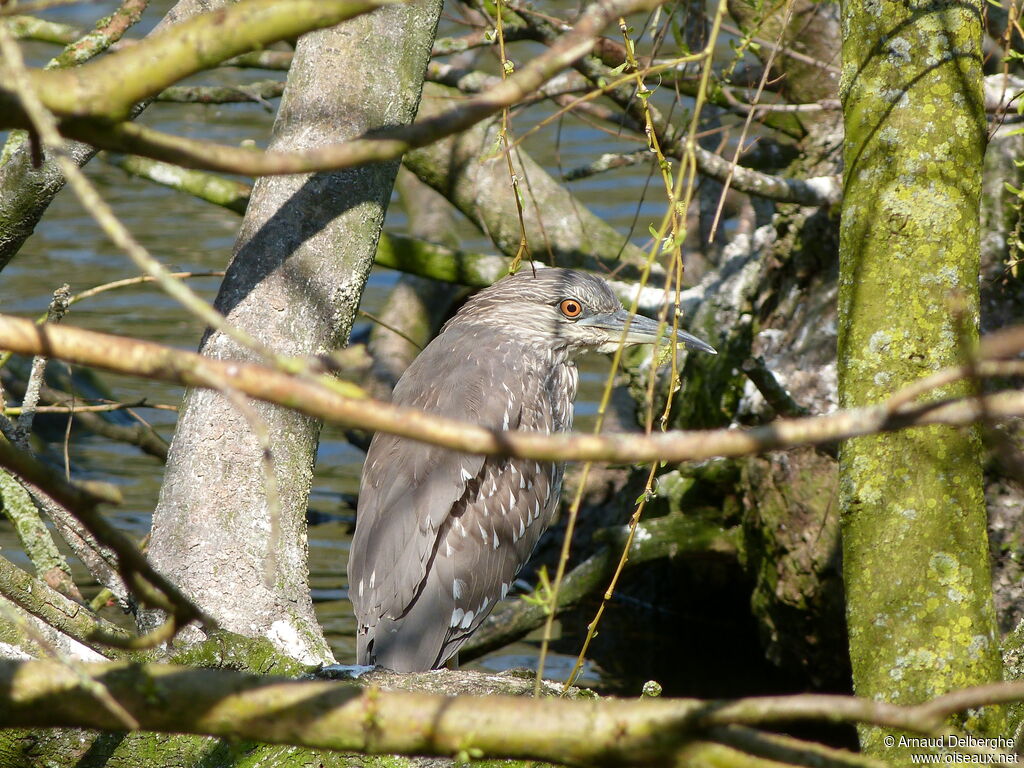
[(916, 568), (301, 259)]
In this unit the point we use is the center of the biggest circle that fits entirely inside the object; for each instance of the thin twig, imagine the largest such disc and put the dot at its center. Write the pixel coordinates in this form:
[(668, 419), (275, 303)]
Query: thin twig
[(727, 182), (54, 314)]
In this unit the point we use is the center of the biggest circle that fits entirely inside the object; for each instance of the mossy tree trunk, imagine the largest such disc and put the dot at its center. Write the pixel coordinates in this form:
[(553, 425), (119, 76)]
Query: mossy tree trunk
[(916, 568), (301, 259)]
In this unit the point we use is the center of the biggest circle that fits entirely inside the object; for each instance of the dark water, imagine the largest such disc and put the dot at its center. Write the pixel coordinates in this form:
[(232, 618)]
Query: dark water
[(189, 235)]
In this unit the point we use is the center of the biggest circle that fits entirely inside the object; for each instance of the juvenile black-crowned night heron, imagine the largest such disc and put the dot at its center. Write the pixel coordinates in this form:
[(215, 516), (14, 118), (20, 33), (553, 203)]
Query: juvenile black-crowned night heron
[(440, 535)]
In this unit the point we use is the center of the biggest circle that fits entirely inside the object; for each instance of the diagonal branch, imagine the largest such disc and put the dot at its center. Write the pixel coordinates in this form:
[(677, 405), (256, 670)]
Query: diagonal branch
[(377, 147), (67, 616), (83, 499), (100, 90)]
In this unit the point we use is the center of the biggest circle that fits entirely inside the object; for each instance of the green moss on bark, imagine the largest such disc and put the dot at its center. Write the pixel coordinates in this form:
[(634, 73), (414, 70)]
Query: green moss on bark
[(916, 568)]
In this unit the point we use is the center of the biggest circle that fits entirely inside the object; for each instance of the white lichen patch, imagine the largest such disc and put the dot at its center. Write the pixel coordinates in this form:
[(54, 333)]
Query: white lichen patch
[(286, 637), (8, 651), (898, 50), (642, 534), (880, 342)]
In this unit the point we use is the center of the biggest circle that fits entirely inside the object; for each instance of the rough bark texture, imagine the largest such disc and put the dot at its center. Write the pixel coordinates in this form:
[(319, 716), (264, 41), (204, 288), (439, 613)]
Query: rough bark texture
[(919, 599), (791, 549), (301, 259)]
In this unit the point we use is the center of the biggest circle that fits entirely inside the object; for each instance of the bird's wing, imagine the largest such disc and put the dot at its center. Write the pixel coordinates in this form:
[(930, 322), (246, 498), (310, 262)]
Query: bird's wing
[(410, 490), (490, 535)]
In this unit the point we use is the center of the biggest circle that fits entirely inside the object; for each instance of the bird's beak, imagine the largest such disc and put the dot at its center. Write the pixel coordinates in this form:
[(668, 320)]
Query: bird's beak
[(642, 330)]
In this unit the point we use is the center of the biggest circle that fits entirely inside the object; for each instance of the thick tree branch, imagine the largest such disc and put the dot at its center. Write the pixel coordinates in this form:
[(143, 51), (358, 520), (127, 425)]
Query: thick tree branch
[(71, 618), (340, 716), (379, 146), (139, 358), (101, 91), (36, 539), (823, 190)]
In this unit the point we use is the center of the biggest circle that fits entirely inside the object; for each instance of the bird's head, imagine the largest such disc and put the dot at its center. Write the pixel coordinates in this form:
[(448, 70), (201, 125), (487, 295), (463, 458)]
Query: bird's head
[(563, 307)]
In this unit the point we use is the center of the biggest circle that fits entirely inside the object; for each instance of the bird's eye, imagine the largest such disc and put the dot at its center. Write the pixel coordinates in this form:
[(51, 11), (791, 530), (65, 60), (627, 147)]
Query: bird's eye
[(571, 308)]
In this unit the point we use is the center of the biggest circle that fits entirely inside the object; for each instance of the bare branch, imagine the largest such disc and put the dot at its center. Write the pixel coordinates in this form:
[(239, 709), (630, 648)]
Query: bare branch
[(99, 89), (42, 30), (83, 499), (339, 402), (58, 307), (108, 31), (67, 616), (340, 716), (377, 147), (257, 92)]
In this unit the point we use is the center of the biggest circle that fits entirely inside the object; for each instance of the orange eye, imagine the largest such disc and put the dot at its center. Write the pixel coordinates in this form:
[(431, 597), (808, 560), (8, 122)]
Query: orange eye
[(571, 308)]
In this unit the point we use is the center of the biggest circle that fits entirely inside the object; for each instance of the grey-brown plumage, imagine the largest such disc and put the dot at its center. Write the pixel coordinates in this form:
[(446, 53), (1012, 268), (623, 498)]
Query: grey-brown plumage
[(440, 536)]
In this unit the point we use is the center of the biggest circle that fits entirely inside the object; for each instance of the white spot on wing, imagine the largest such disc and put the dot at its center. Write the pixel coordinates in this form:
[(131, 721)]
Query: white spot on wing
[(360, 587), (466, 475), (504, 590), (496, 542), (457, 615), (467, 620), (522, 528), (457, 586), (373, 578), (483, 533)]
